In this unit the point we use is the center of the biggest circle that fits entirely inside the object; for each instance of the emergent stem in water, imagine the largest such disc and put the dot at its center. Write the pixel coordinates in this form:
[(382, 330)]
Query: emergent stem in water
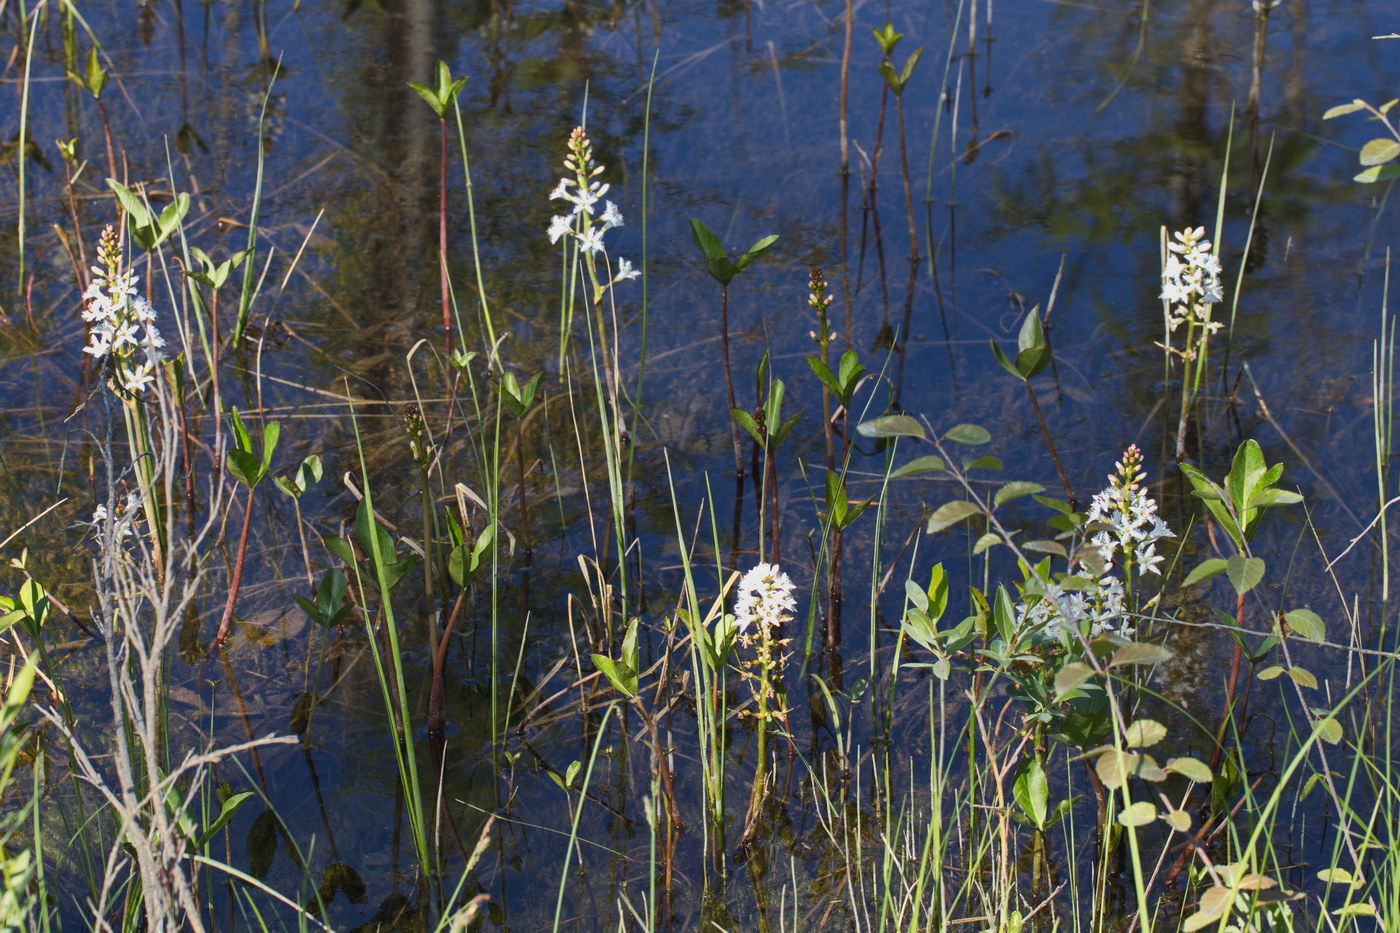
[(1050, 444), (237, 575)]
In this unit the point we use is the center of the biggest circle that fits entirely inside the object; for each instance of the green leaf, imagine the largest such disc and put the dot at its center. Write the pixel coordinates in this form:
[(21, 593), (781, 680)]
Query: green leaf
[(918, 626), (937, 592), (244, 467), (1140, 653), (706, 241), (133, 205), (226, 813), (1359, 909), (1329, 730), (430, 97), (1378, 173), (1244, 572), (1306, 624), (1015, 490), (892, 426), (1379, 151), (758, 249), (1303, 677), (928, 464), (622, 677), (1031, 789), (1071, 677), (984, 462), (916, 595), (887, 38), (1190, 768), (1004, 362), (824, 374), (1032, 352), (990, 539), (1207, 569), (746, 421), (1114, 767), (970, 434), (1342, 110), (950, 513), (340, 548), (1179, 820), (907, 71), (1138, 814), (94, 75), (1144, 733), (1269, 673)]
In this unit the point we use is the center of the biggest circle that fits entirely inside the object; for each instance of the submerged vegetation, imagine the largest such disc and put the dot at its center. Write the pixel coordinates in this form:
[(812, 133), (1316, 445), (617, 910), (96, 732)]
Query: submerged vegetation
[(510, 640)]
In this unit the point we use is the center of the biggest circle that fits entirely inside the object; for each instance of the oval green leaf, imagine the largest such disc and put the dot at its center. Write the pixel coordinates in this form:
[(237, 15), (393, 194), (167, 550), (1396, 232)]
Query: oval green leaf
[(1306, 624), (1140, 653), (1379, 151), (1190, 768), (1145, 733), (1138, 814), (1015, 490), (970, 434), (891, 426), (950, 513)]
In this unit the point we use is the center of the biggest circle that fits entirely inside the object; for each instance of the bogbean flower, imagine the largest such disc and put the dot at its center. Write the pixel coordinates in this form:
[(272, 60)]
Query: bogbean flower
[(761, 610), (1128, 529), (1191, 280), (583, 192), (1130, 514), (122, 322), (765, 599)]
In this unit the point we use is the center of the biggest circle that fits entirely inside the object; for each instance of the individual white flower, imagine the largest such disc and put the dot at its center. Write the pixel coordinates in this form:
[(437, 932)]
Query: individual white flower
[(591, 240), (612, 217), (99, 341), (764, 600), (559, 225), (138, 376), (583, 200), (561, 190), (625, 271)]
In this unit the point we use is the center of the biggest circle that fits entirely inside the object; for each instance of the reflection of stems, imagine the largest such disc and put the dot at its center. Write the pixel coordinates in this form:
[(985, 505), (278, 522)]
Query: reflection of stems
[(1228, 713), (728, 375), (1045, 433), (520, 467)]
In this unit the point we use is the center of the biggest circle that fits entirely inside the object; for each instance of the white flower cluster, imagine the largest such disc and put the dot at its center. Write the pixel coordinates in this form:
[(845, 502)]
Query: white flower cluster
[(1191, 280), (121, 321), (584, 193), (1134, 528), (1058, 608), (765, 599), (1128, 531)]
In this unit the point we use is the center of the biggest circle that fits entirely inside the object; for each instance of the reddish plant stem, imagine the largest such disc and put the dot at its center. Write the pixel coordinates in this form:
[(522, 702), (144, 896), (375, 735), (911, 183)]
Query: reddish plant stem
[(439, 661), (237, 575)]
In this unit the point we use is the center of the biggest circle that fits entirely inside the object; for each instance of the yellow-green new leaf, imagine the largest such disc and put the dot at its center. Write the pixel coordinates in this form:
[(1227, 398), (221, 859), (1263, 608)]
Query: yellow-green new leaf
[(1138, 814), (1190, 768), (1329, 730), (1145, 733)]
